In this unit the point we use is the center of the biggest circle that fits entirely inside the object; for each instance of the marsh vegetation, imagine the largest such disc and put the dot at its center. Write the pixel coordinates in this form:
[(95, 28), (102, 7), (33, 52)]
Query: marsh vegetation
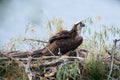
[(98, 40)]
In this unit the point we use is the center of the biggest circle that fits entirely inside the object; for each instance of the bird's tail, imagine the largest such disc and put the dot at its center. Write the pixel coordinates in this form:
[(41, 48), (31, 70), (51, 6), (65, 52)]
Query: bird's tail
[(37, 53)]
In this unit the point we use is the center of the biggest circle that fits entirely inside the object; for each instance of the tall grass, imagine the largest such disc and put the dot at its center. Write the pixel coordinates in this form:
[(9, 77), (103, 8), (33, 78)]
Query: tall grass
[(96, 39)]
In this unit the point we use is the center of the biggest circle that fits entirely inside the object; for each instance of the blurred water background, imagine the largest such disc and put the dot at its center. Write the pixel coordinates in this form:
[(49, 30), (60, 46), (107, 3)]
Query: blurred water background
[(15, 15)]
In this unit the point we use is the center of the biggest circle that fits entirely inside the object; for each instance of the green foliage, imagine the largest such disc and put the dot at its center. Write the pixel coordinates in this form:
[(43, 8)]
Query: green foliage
[(69, 71), (11, 71), (96, 41), (116, 72), (95, 70), (2, 68)]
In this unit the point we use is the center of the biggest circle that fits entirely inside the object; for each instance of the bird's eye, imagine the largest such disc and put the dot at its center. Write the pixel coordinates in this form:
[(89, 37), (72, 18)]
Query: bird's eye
[(82, 24)]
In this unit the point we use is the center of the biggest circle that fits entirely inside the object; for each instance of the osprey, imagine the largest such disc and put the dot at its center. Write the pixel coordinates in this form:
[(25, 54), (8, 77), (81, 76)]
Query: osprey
[(62, 42)]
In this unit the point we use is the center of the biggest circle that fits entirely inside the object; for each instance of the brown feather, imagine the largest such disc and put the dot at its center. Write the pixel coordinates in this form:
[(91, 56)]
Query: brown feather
[(64, 45), (64, 41), (60, 35)]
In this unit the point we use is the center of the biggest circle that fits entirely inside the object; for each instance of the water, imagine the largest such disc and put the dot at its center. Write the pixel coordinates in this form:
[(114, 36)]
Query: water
[(16, 14)]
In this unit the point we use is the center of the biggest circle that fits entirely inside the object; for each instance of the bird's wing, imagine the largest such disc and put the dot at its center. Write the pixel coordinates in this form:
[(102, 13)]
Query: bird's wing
[(61, 35)]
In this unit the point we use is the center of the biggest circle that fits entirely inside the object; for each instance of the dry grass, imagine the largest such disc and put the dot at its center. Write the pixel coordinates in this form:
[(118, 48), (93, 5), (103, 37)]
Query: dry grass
[(94, 69)]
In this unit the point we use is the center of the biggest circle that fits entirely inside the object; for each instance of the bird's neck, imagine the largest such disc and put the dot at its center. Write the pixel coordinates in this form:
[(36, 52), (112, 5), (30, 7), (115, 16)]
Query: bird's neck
[(79, 31), (73, 31)]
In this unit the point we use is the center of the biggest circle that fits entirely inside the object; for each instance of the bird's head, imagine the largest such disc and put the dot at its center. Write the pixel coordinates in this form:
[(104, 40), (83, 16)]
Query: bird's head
[(79, 26)]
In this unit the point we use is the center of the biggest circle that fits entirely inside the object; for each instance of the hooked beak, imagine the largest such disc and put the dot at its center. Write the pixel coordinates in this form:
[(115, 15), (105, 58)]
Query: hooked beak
[(82, 24)]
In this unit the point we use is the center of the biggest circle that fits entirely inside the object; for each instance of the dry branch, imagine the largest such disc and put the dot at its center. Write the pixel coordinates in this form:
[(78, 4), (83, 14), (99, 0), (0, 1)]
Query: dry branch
[(27, 67), (58, 61), (112, 58), (28, 62), (25, 39)]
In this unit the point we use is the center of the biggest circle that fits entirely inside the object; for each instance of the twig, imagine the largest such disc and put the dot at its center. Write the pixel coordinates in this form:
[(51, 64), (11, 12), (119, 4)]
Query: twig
[(50, 51), (27, 68), (112, 62), (9, 57), (35, 40), (59, 60)]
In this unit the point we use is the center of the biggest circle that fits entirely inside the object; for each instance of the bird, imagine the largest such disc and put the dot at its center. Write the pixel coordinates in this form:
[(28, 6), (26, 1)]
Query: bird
[(62, 42)]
